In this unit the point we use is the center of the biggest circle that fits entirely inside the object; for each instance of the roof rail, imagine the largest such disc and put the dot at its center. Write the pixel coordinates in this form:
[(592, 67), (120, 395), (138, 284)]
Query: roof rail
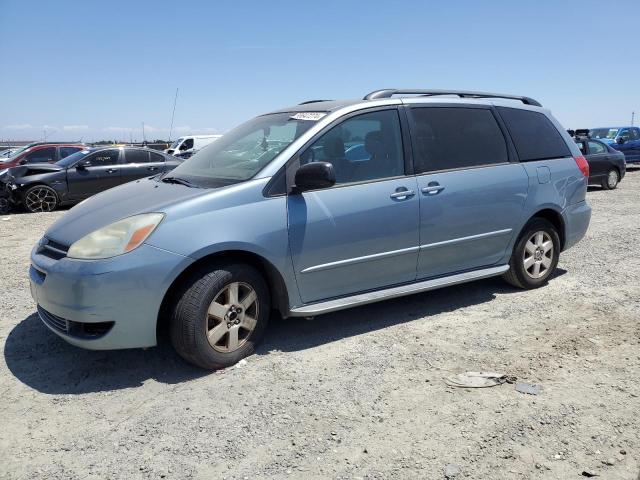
[(313, 101), (389, 92)]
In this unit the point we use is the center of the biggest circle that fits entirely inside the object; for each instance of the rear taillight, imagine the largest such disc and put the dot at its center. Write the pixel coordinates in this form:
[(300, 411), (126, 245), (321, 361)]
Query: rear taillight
[(583, 165)]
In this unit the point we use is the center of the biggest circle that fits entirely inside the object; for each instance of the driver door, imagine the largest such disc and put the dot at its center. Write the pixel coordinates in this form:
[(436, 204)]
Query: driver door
[(101, 172), (362, 233)]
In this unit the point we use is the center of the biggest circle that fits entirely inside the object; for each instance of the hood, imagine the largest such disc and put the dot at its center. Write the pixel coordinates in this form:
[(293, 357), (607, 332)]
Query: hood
[(141, 196), (34, 169)]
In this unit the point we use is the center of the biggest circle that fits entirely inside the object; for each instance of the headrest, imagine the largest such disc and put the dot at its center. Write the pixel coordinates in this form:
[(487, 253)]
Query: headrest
[(373, 143)]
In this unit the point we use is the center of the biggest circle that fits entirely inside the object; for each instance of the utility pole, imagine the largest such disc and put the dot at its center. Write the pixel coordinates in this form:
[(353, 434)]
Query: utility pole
[(175, 99), (144, 139), (633, 115)]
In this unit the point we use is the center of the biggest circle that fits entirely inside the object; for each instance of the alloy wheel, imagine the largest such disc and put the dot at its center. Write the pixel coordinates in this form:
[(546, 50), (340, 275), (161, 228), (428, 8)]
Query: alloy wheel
[(40, 199), (612, 179), (538, 254), (231, 317)]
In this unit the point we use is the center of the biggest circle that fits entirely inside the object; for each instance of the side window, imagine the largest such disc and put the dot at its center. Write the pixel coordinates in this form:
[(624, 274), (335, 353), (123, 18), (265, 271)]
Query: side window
[(364, 147), (533, 134), (104, 157), (582, 146), (634, 134), (156, 157), (625, 133), (187, 144), (66, 151), (446, 138), (44, 155), (136, 156), (596, 148)]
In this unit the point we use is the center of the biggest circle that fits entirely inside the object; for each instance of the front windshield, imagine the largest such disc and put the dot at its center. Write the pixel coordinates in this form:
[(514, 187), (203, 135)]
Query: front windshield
[(245, 150), (73, 158), (610, 133), (15, 153), (175, 144)]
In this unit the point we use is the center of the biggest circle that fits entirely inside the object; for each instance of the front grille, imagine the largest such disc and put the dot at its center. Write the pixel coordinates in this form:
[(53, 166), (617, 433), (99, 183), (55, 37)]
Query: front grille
[(86, 331), (52, 249)]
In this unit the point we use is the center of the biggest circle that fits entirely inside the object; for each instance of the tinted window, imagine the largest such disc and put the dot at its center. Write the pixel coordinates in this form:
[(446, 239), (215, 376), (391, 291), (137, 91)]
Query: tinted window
[(596, 148), (104, 157), (446, 138), (364, 147), (156, 157), (533, 134), (41, 156), (66, 151), (582, 146), (634, 134), (136, 156), (187, 144)]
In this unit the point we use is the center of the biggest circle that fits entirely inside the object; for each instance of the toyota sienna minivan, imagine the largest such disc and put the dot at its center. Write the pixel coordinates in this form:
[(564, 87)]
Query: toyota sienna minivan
[(311, 209)]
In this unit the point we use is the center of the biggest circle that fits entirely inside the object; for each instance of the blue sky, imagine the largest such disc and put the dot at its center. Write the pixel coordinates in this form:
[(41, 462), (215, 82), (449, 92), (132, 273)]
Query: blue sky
[(93, 70)]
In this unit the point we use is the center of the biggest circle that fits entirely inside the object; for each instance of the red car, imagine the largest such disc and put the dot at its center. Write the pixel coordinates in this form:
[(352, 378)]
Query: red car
[(40, 153)]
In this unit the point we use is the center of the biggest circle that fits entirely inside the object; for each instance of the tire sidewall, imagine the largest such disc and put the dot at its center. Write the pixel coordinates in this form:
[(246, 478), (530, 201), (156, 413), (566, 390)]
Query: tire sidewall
[(204, 354), (612, 187), (517, 262)]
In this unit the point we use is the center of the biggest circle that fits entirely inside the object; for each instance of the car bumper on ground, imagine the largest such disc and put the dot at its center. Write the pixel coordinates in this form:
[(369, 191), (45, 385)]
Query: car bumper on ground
[(576, 220), (104, 304)]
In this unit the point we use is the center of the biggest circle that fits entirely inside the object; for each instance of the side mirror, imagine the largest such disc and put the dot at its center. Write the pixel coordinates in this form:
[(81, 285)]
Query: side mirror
[(83, 165), (313, 176), (620, 140)]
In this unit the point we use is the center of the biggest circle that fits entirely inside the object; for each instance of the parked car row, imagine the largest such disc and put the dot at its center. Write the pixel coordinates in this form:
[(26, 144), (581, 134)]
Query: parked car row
[(311, 209), (607, 166), (42, 187)]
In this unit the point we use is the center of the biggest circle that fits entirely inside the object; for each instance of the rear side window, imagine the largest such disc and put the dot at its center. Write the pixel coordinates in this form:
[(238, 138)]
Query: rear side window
[(533, 134), (446, 138), (136, 156), (596, 148)]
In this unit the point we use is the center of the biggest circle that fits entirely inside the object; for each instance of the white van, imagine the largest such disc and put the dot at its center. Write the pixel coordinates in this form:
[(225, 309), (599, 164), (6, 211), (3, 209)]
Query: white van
[(186, 146)]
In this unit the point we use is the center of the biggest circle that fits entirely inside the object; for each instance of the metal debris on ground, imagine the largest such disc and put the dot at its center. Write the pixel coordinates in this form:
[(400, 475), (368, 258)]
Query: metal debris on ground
[(527, 388), (478, 379)]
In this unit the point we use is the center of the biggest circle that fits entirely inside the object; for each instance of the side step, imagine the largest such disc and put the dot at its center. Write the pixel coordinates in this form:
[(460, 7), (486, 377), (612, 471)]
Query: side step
[(393, 292)]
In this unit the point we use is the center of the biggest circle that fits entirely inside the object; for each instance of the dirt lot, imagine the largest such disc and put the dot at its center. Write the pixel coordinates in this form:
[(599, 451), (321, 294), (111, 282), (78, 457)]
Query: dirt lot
[(355, 394)]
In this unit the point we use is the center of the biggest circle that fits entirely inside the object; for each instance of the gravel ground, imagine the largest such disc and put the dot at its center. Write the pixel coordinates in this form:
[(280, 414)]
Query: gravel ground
[(355, 394)]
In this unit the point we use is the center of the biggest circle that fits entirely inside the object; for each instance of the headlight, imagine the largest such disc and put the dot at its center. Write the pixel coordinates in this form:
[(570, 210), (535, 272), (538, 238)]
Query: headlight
[(115, 239)]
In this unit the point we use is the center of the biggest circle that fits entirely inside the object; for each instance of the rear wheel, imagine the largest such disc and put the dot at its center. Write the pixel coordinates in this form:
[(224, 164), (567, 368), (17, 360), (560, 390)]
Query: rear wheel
[(40, 198), (535, 255), (5, 205), (221, 315), (610, 182)]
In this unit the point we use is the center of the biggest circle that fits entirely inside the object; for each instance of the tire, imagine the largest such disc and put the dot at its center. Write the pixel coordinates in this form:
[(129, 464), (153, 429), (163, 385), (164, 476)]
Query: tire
[(528, 276), (610, 182), (40, 198), (206, 309), (5, 205)]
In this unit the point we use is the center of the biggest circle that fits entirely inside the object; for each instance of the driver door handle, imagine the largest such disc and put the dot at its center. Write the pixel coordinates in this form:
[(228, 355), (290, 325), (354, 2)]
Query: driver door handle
[(112, 170), (402, 193), (152, 169), (432, 189)]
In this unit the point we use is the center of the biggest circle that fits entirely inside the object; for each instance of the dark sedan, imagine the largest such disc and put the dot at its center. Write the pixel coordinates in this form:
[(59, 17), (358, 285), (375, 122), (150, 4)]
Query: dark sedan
[(43, 187), (606, 165)]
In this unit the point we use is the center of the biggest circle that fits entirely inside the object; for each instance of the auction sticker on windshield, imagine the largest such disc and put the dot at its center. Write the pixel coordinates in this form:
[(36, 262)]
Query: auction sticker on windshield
[(312, 116)]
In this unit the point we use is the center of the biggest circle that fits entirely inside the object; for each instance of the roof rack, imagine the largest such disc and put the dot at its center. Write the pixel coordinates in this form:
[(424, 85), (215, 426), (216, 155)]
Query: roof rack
[(313, 101), (389, 92)]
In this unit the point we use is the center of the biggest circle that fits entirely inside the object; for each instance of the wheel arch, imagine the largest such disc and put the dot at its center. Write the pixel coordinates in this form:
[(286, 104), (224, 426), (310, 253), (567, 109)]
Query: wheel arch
[(275, 281), (555, 218)]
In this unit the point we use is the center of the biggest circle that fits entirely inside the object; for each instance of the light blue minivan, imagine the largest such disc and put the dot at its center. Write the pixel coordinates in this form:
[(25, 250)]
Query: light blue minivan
[(311, 209)]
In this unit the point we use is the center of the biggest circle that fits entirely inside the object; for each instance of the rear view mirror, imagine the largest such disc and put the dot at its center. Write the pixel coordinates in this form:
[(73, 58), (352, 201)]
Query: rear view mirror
[(313, 176)]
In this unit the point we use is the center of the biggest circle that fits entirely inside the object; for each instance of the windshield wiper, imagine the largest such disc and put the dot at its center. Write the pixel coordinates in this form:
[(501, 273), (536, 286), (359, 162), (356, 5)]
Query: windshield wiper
[(178, 180)]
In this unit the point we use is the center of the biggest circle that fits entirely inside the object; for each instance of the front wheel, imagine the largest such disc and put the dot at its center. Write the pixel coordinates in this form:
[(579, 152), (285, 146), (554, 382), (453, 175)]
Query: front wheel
[(221, 315), (610, 182), (535, 255), (40, 198)]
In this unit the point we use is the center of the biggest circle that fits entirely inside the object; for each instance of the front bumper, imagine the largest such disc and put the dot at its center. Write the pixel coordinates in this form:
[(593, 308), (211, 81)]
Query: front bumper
[(576, 222), (120, 297)]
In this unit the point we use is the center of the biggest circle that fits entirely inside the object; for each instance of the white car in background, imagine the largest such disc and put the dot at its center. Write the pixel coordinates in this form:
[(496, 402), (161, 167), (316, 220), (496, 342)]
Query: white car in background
[(186, 146)]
